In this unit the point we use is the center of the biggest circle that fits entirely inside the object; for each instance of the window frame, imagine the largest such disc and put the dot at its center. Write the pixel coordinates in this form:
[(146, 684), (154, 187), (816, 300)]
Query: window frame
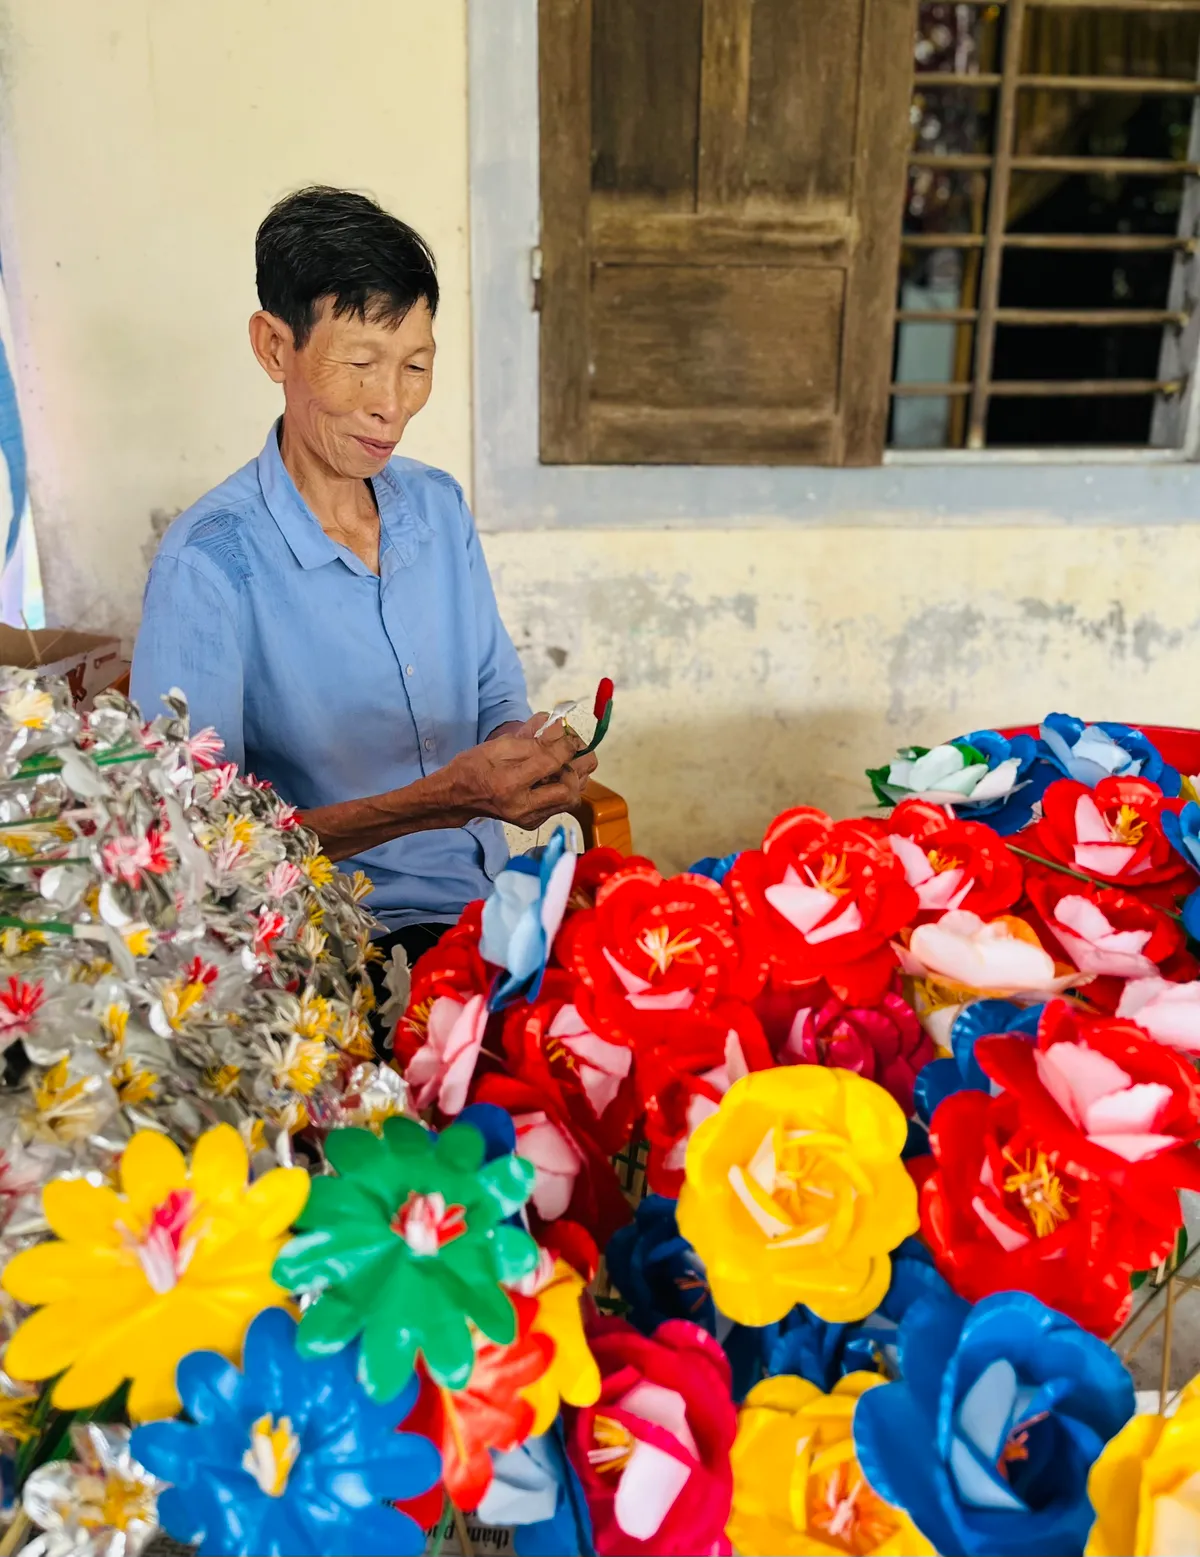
[(513, 490)]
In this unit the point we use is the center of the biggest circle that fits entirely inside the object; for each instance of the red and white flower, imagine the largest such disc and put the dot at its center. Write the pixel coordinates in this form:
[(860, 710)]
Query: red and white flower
[(128, 858), (825, 898), (953, 864), (20, 1003)]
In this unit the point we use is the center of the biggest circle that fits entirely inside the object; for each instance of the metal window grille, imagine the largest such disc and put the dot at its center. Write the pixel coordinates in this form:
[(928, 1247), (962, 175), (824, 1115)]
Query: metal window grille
[(997, 81)]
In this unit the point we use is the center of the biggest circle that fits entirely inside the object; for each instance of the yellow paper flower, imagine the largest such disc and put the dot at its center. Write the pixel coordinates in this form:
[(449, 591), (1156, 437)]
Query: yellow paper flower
[(178, 1261), (1145, 1487), (573, 1375), (795, 1193), (797, 1487)]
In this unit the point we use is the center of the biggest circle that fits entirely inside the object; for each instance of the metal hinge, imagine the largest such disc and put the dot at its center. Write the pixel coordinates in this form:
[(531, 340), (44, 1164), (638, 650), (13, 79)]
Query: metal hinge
[(535, 276)]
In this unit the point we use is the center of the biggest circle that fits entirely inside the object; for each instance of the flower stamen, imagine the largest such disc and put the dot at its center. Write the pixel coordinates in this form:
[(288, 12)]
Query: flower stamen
[(165, 1249), (834, 877), (663, 948), (846, 1511), (1046, 1203), (1127, 826), (274, 1450), (427, 1224), (613, 1446)]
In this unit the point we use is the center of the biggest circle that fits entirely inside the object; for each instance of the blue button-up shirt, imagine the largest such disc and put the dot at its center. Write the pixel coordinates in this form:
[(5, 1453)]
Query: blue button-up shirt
[(329, 681)]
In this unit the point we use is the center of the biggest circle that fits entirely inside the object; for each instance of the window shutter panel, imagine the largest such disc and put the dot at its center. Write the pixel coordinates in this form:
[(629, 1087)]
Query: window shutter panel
[(722, 184)]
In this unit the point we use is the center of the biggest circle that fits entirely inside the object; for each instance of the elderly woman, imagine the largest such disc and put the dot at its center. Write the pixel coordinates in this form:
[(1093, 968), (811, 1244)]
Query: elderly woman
[(328, 608)]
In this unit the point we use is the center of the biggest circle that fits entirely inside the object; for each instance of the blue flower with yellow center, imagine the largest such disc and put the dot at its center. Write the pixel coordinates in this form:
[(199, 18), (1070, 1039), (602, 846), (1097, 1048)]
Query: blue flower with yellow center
[(287, 1456)]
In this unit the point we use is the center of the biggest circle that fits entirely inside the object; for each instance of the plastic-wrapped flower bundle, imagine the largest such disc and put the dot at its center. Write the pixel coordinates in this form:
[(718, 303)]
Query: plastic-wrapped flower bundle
[(787, 1205)]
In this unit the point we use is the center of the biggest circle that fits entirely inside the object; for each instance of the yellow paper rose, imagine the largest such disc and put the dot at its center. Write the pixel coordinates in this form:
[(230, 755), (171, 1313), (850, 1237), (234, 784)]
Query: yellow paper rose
[(795, 1193), (573, 1375), (178, 1261), (797, 1487), (1145, 1487)]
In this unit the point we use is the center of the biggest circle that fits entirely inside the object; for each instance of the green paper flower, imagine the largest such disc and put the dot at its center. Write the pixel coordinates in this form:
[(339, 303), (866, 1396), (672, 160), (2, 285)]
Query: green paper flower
[(408, 1247)]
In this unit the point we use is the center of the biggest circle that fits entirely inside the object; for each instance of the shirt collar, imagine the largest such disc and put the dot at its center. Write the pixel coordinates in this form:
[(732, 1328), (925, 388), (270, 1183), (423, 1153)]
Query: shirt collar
[(402, 527), (310, 546)]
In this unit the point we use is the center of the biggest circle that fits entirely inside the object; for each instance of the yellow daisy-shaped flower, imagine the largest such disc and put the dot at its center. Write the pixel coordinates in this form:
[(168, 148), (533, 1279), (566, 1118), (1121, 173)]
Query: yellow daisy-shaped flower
[(573, 1375), (178, 1260), (1145, 1487), (795, 1193), (319, 869), (798, 1490)]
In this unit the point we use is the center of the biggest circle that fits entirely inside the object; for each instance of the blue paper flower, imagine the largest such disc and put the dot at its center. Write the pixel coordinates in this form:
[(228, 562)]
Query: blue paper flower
[(987, 1439), (288, 1456), (712, 867), (661, 1277), (1088, 753), (941, 1078), (522, 916), (821, 1353), (535, 1490), (1183, 832)]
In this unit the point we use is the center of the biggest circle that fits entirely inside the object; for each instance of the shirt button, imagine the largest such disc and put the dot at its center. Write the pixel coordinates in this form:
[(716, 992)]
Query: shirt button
[(428, 743), (410, 670)]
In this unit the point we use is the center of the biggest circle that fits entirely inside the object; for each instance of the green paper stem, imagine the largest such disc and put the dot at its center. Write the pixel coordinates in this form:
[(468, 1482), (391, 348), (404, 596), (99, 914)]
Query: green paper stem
[(601, 730), (33, 766), (1078, 875), (50, 926), (1063, 869)]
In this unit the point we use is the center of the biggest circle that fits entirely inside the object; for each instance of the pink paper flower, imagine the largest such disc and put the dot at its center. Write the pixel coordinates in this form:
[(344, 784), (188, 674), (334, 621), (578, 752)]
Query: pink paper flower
[(441, 1069), (205, 747), (885, 1043), (1170, 1013), (556, 1158), (653, 1452), (601, 1067), (282, 879)]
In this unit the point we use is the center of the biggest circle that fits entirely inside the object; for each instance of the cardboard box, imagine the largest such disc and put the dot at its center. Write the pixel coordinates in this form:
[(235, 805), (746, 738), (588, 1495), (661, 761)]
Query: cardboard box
[(89, 661)]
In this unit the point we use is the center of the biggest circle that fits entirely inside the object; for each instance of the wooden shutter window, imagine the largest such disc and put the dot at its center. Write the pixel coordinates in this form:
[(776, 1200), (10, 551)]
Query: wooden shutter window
[(722, 183)]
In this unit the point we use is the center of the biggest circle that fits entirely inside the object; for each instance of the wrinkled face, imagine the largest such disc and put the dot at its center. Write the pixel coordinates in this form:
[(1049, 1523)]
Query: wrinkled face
[(353, 386)]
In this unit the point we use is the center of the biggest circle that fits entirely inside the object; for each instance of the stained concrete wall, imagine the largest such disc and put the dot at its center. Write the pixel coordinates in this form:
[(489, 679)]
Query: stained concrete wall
[(760, 669), (142, 141)]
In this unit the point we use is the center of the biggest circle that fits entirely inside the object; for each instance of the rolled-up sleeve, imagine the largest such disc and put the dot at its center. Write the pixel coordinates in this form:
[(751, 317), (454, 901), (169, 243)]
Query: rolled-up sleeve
[(502, 694), (188, 639)]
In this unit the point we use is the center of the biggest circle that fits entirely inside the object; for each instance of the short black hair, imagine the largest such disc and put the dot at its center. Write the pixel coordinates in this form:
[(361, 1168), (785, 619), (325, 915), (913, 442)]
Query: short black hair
[(322, 242)]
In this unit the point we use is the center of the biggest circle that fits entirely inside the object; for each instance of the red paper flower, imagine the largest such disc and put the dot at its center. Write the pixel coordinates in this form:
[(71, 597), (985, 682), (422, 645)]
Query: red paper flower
[(885, 1043), (550, 1046), (575, 1179), (1002, 1213), (490, 1413), (653, 954), (1109, 1102), (953, 864), (827, 898), (1113, 832), (677, 1101), (1109, 933), (653, 1452)]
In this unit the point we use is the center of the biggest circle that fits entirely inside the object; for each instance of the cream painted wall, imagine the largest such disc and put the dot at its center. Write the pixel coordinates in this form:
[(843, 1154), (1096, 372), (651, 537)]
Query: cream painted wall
[(143, 140)]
